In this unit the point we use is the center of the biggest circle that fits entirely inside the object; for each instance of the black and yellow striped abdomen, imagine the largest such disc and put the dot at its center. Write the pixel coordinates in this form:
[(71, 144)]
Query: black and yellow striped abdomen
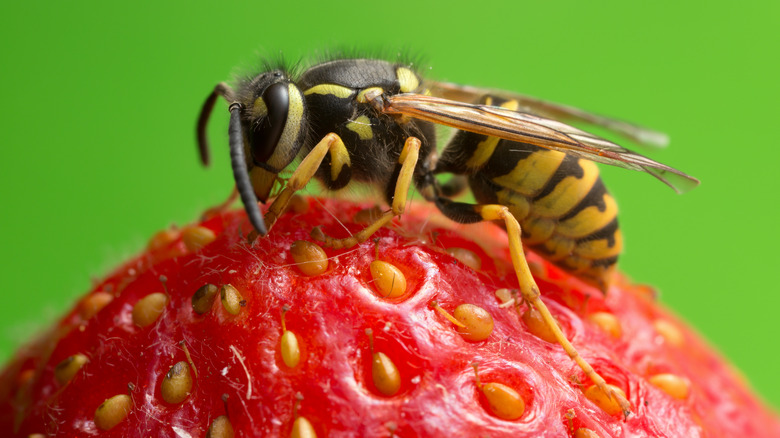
[(563, 208)]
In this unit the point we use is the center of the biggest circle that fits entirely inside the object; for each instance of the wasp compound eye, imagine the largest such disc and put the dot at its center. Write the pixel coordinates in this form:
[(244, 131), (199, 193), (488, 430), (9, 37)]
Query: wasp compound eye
[(266, 134)]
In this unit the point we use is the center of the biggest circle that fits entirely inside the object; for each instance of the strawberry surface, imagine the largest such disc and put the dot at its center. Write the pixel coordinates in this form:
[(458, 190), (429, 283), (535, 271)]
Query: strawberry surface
[(193, 338)]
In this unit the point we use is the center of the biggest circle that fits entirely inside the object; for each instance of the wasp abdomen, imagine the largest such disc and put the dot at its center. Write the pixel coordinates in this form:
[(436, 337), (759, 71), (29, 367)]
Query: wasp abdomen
[(565, 211)]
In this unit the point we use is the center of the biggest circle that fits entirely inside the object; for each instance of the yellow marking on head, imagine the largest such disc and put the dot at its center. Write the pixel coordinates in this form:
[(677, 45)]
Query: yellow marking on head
[(407, 79), (427, 92), (511, 105), (258, 108), (283, 154), (339, 157), (361, 96), (568, 192), (531, 173), (362, 127), (325, 89), (589, 219), (600, 249)]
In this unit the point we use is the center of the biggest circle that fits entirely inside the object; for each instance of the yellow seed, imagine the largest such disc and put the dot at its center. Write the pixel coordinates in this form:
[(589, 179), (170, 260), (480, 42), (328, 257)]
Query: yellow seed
[(386, 377), (607, 322), (669, 331), (232, 300), (467, 257), (291, 353), (203, 298), (606, 403), (302, 429), (177, 384), (197, 237), (310, 257), (478, 322), (389, 281), (220, 428), (536, 325), (113, 411), (505, 402), (161, 239), (94, 304), (36, 435), (672, 384), (65, 370), (585, 433), (149, 308)]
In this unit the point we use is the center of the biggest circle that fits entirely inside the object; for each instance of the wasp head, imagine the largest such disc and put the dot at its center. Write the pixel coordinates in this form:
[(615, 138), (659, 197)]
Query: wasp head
[(274, 128)]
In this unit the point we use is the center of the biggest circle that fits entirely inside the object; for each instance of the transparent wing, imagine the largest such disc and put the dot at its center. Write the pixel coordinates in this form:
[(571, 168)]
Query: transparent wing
[(532, 129), (552, 110)]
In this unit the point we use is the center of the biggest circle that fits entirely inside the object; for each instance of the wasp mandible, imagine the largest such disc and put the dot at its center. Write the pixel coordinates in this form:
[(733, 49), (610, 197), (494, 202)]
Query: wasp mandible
[(372, 121)]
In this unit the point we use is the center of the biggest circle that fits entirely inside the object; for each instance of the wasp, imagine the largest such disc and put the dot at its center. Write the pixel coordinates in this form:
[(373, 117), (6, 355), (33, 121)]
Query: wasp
[(373, 121)]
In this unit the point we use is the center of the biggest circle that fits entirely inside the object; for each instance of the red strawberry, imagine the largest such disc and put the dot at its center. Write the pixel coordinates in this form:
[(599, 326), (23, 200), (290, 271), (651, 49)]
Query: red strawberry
[(274, 339)]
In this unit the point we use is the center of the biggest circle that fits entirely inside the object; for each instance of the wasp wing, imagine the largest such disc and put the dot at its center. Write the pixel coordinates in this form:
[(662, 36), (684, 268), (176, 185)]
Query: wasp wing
[(532, 129), (552, 110)]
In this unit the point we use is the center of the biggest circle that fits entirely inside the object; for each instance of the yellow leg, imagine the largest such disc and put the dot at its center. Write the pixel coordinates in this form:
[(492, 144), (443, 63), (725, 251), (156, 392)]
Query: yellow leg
[(332, 144), (530, 292), (408, 160)]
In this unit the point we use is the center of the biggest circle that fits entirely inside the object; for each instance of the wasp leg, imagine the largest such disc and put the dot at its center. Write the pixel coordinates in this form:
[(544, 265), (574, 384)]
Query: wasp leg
[(332, 144), (408, 161), (469, 213)]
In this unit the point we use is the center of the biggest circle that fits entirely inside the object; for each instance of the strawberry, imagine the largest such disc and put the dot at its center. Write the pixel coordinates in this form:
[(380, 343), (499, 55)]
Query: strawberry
[(415, 333)]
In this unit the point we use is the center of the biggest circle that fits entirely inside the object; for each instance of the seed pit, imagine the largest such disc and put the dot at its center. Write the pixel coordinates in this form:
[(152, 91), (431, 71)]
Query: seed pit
[(231, 298), (309, 257), (669, 332), (607, 322), (672, 384), (112, 411), (467, 257), (93, 304), (203, 298), (605, 402), (149, 308), (389, 281), (197, 237), (177, 384), (220, 428), (291, 352), (387, 379), (65, 370), (477, 321), (161, 239), (585, 433), (504, 401), (536, 325), (302, 428)]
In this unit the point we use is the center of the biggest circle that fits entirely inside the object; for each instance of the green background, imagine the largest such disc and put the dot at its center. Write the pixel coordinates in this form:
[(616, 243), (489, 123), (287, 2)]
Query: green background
[(99, 103)]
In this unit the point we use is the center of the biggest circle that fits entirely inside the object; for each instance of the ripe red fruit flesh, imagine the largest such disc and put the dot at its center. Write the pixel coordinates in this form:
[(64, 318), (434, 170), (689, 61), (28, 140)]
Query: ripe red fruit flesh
[(171, 356)]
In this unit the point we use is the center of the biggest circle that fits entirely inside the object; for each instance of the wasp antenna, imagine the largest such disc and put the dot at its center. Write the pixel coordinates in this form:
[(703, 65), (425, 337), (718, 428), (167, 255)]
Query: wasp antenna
[(222, 89), (238, 161)]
